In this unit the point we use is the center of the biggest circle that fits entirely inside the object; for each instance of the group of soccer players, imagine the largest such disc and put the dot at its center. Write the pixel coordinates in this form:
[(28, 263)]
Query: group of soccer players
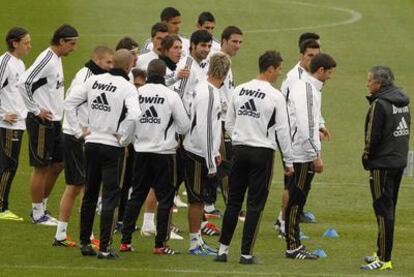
[(136, 126)]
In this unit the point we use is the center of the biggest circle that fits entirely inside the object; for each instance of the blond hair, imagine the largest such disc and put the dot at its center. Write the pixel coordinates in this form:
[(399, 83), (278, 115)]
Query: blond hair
[(219, 66)]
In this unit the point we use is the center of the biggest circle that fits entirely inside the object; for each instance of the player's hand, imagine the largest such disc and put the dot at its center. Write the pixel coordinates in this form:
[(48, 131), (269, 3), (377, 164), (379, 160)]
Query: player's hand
[(183, 73), (218, 160), (45, 115), (318, 165), (289, 171), (85, 132), (10, 118), (324, 134), (118, 137)]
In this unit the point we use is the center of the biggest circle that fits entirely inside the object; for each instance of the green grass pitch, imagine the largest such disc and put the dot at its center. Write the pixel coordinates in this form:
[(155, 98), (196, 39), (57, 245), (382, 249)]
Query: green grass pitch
[(357, 33)]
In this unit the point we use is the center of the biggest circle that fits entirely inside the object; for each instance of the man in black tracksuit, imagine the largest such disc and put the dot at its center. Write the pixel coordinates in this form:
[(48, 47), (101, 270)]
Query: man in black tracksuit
[(387, 134)]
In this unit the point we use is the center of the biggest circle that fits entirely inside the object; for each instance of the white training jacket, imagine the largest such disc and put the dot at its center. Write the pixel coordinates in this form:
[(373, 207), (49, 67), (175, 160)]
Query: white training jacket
[(144, 60), (305, 98), (185, 87), (257, 117), (113, 108), (185, 42), (11, 68), (90, 69), (42, 85), (163, 115), (204, 137)]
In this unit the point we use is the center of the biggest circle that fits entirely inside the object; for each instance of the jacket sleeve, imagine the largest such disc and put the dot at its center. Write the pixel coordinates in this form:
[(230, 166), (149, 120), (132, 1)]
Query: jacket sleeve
[(179, 113), (77, 96), (3, 77), (127, 127), (373, 128), (204, 105), (283, 131), (32, 79), (231, 116)]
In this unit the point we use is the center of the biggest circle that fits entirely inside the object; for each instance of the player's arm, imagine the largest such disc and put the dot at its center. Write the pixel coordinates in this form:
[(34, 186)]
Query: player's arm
[(126, 130), (179, 113), (77, 97), (230, 116), (374, 127)]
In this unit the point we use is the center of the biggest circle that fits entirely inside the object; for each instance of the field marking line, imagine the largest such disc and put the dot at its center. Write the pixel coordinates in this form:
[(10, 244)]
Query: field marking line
[(354, 17), (190, 271)]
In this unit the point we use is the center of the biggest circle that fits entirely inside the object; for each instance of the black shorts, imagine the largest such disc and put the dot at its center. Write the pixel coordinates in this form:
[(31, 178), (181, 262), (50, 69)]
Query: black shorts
[(45, 141), (10, 142), (197, 183), (74, 160)]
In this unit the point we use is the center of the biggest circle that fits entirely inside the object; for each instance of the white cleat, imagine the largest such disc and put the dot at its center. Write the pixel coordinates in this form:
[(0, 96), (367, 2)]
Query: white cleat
[(148, 232), (174, 235), (179, 203)]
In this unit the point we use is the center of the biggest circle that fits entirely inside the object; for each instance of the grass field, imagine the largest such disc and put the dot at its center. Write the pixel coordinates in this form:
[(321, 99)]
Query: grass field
[(357, 33)]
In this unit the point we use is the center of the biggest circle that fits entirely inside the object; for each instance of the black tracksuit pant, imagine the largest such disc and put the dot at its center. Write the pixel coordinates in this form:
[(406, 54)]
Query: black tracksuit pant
[(10, 143), (127, 184), (385, 184), (252, 172), (104, 164), (298, 193), (157, 171)]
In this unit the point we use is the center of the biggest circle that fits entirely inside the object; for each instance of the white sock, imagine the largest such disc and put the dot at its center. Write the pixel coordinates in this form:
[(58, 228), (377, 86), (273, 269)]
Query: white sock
[(38, 211), (61, 230), (194, 240), (203, 224), (45, 203), (247, 256), (280, 217), (223, 249), (148, 221), (200, 238), (282, 226), (209, 208)]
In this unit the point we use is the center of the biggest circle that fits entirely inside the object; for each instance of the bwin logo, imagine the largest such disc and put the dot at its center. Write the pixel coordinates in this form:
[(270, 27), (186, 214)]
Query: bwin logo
[(249, 109), (150, 116), (402, 129), (101, 103)]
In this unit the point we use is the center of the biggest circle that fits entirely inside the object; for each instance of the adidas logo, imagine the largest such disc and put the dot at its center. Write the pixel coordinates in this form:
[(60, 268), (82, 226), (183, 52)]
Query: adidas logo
[(101, 103), (150, 116), (402, 129), (249, 109)]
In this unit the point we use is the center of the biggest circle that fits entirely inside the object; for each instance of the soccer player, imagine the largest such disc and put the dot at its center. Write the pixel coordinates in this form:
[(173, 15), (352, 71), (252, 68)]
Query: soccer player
[(154, 162), (42, 89), (304, 110), (140, 76), (256, 121), (387, 136), (158, 32), (202, 144), (231, 40), (113, 109), (12, 114), (308, 49), (73, 145), (206, 21), (171, 17)]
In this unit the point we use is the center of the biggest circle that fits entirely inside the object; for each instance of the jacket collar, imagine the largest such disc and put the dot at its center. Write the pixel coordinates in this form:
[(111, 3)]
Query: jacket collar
[(318, 84), (95, 68), (154, 79), (119, 72), (170, 64)]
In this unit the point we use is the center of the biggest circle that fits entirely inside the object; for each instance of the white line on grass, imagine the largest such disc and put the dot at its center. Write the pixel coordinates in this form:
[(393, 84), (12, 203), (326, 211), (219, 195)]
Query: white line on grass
[(189, 271), (354, 17)]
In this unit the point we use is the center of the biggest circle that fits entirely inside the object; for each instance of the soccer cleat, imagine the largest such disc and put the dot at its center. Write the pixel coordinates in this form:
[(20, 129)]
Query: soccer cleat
[(148, 232), (125, 247), (221, 258), (209, 249), (252, 260), (307, 217), (43, 220), (164, 251), (87, 250), (174, 235), (95, 243), (179, 203), (8, 215), (174, 229), (301, 254), (213, 214), (242, 216), (371, 259), (200, 251), (210, 229), (377, 265), (65, 243), (109, 255), (175, 209), (48, 214)]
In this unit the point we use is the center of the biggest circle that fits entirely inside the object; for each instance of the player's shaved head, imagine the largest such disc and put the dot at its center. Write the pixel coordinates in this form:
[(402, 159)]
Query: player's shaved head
[(156, 67), (122, 59), (100, 51)]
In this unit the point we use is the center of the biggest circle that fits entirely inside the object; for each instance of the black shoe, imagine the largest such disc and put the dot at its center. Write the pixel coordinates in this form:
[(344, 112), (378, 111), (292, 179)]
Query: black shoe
[(252, 260), (301, 254), (110, 255), (221, 258), (87, 250)]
